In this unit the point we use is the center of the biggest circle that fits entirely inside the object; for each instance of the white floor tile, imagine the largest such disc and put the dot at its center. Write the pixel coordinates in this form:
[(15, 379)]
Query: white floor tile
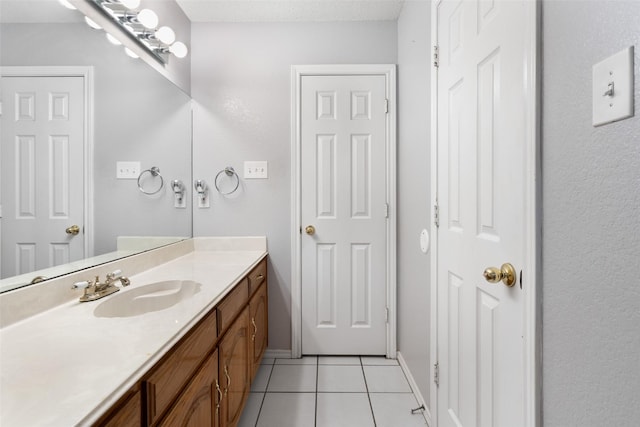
[(262, 378), (378, 361), (338, 360), (306, 360), (386, 379), (293, 378), (288, 410), (343, 410), (337, 378), (267, 361), (394, 410), (251, 410)]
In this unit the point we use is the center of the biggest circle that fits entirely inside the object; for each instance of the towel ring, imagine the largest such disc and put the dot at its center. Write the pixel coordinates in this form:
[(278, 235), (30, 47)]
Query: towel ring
[(229, 171), (154, 171)]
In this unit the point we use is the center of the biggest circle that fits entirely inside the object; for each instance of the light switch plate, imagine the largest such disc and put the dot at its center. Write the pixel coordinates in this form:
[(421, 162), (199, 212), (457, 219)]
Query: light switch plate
[(613, 88), (127, 170), (256, 170)]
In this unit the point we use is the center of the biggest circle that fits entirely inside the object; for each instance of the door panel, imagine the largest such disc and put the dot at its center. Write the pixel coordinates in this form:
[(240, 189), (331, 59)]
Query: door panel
[(481, 136), (343, 196), (42, 172)]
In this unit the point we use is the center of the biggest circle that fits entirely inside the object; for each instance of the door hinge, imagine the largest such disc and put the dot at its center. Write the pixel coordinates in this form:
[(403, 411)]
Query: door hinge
[(386, 210), (386, 315), (436, 374), (436, 215), (436, 57), (386, 106)]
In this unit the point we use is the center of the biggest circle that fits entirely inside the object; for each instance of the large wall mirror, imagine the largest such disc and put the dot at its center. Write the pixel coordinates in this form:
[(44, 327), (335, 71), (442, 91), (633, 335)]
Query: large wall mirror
[(73, 107)]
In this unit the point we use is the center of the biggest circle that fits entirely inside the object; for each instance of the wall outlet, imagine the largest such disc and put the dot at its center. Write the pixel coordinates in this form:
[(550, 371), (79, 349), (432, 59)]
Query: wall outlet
[(256, 170), (127, 170)]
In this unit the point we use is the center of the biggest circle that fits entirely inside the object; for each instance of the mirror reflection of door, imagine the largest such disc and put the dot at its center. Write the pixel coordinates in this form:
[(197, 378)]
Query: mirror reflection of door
[(42, 189)]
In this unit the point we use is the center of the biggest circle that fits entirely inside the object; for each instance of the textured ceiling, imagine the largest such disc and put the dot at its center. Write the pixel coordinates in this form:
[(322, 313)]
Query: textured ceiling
[(290, 10)]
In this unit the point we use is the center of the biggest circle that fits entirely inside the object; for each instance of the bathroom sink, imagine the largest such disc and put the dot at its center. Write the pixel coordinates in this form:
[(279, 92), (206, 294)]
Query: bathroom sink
[(147, 298)]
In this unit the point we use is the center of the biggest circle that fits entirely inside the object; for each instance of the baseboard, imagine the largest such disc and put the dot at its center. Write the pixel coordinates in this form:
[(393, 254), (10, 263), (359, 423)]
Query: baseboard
[(414, 387), (277, 354)]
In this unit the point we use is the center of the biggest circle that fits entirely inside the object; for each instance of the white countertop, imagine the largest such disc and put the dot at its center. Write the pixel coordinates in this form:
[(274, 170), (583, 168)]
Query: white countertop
[(66, 367)]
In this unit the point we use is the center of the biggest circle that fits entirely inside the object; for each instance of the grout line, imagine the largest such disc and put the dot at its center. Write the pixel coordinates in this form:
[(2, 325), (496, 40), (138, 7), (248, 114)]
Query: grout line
[(315, 417), (366, 386)]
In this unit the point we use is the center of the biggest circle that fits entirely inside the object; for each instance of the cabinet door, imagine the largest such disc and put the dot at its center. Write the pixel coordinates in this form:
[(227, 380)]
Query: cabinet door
[(234, 369), (259, 328), (197, 406)]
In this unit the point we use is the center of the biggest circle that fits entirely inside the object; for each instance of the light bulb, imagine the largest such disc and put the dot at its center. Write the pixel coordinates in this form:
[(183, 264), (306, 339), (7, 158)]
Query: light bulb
[(148, 18), (66, 4), (166, 35), (130, 4), (90, 22), (130, 53), (179, 49), (113, 40)]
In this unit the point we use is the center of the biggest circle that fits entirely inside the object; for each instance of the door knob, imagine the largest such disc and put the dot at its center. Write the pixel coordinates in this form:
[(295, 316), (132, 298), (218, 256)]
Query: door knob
[(310, 230), (74, 229), (506, 273)]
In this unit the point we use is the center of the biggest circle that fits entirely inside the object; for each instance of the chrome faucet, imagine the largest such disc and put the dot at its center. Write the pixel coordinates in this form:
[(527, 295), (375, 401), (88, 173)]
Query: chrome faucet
[(94, 290)]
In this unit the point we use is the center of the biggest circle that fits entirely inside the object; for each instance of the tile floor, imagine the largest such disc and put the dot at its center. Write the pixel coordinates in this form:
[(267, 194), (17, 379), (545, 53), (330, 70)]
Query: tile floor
[(319, 391)]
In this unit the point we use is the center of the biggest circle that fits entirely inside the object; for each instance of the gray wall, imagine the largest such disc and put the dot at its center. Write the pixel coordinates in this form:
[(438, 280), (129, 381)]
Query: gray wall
[(241, 80), (138, 116), (591, 218), (414, 111)]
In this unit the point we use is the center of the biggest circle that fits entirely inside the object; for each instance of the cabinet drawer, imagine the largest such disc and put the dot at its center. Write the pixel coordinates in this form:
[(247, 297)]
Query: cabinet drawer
[(232, 304), (257, 276), (170, 375)]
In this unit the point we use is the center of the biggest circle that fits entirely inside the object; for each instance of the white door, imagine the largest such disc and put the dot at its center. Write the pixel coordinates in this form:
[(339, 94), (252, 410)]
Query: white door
[(343, 197), (481, 185), (42, 172)]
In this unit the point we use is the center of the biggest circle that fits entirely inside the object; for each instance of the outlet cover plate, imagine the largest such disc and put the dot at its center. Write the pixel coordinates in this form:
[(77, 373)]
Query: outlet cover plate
[(127, 170), (256, 170), (613, 88)]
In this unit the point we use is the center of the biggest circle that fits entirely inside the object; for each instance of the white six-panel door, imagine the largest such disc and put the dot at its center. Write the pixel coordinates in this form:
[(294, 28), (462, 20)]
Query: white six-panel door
[(481, 197), (343, 197), (42, 172)]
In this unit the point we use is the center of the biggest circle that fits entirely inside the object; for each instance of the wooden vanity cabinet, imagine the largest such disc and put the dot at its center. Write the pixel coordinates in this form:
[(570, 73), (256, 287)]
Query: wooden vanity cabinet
[(205, 379)]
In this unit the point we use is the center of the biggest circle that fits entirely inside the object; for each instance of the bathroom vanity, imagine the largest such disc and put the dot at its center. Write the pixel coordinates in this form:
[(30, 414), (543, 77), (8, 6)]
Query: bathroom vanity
[(190, 363)]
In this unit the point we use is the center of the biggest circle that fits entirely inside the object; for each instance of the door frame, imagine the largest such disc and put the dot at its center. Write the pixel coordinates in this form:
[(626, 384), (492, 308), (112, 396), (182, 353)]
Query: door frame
[(532, 231), (297, 72), (86, 72)]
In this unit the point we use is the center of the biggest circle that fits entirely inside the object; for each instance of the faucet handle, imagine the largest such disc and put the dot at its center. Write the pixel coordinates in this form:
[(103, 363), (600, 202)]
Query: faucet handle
[(115, 273), (81, 285)]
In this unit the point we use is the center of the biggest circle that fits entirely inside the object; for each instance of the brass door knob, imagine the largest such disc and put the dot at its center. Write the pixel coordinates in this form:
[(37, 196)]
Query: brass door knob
[(310, 230), (74, 229), (506, 274)]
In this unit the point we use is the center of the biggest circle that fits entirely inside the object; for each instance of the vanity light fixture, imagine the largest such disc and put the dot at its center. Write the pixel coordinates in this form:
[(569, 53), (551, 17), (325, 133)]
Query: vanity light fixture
[(166, 35), (147, 18), (139, 25)]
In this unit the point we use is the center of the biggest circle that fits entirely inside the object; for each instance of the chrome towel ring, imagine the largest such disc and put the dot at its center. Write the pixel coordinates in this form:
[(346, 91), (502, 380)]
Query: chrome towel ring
[(154, 171), (230, 172)]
